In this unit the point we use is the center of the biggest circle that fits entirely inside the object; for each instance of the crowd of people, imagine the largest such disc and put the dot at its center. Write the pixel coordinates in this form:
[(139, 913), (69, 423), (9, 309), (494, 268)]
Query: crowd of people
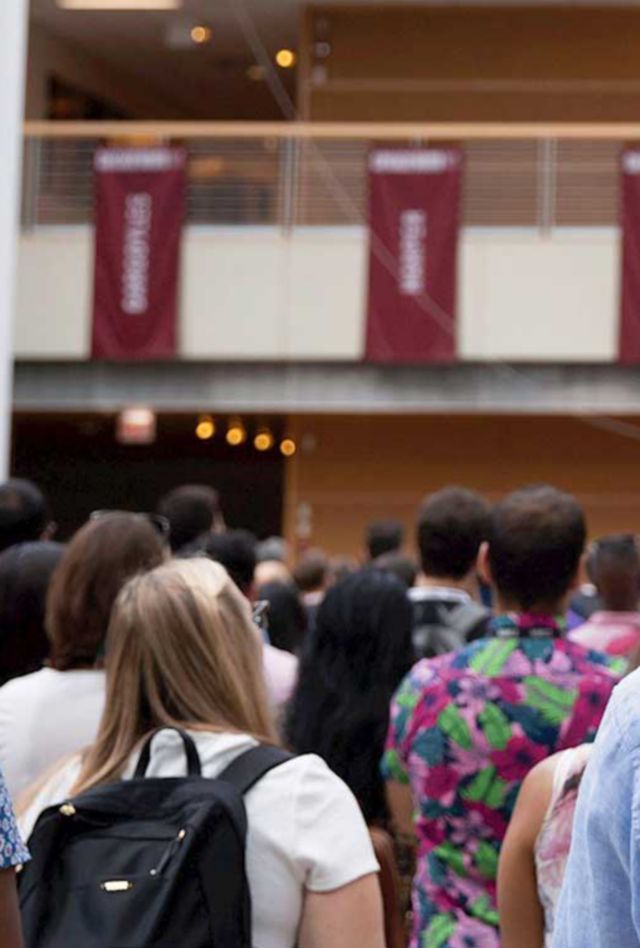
[(453, 770)]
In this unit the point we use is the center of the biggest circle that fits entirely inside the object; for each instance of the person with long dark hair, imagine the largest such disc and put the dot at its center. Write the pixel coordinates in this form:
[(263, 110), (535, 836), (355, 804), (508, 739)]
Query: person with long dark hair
[(353, 660)]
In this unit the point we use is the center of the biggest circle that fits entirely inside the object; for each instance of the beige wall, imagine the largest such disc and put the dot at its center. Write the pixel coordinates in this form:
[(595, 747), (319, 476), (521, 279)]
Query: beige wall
[(260, 294), (503, 63), (358, 468)]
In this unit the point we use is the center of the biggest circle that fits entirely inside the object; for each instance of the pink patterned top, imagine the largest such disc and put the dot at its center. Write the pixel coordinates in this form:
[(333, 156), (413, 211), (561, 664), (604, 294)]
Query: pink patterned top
[(554, 839), (615, 633)]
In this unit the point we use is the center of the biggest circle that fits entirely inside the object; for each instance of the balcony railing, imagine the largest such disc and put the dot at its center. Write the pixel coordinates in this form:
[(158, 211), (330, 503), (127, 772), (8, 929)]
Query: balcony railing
[(284, 175)]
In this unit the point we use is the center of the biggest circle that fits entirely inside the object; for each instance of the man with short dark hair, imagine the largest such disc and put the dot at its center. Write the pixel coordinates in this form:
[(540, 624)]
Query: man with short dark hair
[(312, 572), (312, 576), (467, 727), (24, 514), (452, 524), (192, 511), (236, 551), (384, 536), (615, 628)]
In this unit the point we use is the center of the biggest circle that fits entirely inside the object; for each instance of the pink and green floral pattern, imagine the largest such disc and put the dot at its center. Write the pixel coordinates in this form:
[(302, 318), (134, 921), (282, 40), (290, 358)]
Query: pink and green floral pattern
[(465, 730)]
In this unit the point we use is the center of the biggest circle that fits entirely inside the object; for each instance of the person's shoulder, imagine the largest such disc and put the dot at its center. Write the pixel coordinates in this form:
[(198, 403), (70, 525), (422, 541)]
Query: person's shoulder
[(537, 787), (591, 661), (52, 788), (279, 658), (31, 684), (304, 767), (625, 705), (426, 673), (304, 780)]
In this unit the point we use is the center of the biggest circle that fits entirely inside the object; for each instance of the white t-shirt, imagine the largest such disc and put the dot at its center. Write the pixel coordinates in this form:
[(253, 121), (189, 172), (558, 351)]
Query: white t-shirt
[(281, 674), (45, 716), (306, 830)]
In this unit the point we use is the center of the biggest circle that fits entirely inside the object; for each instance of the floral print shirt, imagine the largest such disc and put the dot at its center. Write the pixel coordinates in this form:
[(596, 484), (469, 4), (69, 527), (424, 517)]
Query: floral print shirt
[(465, 729), (12, 849)]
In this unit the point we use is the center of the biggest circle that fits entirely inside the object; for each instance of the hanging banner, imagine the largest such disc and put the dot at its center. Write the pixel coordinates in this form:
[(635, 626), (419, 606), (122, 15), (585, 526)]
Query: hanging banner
[(140, 205), (414, 201), (629, 337)]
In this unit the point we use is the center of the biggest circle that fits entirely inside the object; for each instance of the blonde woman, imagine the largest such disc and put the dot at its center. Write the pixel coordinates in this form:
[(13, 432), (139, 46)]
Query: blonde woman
[(182, 651)]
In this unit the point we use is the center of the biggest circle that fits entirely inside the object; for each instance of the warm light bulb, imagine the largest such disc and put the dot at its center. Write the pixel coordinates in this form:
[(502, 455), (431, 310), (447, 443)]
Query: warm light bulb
[(206, 428), (263, 441), (201, 34), (286, 58), (288, 447), (236, 435)]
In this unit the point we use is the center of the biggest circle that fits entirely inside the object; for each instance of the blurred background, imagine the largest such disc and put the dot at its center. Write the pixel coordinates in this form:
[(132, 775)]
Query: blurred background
[(272, 392)]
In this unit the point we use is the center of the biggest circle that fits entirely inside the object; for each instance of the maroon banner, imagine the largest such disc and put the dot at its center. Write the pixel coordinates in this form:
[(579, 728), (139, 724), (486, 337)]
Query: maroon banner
[(140, 201), (629, 336), (414, 200)]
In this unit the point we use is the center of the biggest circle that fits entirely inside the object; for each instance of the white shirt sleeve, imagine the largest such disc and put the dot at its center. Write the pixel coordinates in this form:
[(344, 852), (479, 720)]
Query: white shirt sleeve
[(53, 788), (330, 837)]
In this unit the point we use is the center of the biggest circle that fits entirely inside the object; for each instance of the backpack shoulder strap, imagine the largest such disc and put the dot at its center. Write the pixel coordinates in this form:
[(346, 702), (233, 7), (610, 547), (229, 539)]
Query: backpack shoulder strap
[(247, 769), (465, 617)]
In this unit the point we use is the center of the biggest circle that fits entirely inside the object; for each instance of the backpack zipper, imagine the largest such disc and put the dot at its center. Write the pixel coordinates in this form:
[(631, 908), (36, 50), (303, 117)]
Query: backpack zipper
[(169, 854)]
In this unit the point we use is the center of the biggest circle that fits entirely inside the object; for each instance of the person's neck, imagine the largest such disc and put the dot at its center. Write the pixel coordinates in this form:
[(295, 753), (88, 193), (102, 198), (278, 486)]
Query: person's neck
[(467, 584), (619, 606), (511, 607)]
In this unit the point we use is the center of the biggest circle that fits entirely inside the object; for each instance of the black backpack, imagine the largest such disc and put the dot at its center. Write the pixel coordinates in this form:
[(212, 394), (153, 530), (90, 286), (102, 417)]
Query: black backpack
[(451, 629), (146, 862)]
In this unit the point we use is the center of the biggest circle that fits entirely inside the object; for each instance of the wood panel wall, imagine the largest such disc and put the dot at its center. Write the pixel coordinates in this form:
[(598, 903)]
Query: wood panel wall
[(470, 64), (350, 470)]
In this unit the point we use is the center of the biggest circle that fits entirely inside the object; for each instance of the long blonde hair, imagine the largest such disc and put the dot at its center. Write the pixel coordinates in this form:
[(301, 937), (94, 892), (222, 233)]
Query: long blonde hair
[(182, 650)]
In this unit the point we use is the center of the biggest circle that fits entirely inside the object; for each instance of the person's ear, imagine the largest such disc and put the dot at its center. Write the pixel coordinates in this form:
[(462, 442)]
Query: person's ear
[(580, 572), (483, 567)]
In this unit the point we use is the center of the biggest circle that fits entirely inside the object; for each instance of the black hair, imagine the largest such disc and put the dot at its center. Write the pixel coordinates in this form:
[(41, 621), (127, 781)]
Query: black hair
[(25, 573), (286, 618), (24, 513), (615, 568), (452, 523), (536, 538), (312, 571), (397, 564), (192, 510), (622, 548), (236, 551), (384, 536), (353, 660)]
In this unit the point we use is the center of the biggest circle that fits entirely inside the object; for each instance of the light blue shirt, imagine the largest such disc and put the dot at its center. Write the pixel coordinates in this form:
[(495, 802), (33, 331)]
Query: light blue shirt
[(600, 901)]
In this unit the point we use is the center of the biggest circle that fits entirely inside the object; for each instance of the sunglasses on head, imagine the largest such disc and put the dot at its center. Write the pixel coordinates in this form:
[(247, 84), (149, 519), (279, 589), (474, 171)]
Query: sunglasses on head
[(159, 523)]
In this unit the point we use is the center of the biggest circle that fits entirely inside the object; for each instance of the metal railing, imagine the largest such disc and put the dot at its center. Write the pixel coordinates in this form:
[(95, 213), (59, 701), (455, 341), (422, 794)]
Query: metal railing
[(291, 175)]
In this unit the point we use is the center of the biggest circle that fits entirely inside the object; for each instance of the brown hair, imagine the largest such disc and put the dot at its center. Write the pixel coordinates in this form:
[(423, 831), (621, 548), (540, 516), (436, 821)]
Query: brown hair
[(183, 652), (101, 557)]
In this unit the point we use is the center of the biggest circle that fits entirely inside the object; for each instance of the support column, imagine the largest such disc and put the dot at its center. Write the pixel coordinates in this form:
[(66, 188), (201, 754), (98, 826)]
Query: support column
[(13, 35)]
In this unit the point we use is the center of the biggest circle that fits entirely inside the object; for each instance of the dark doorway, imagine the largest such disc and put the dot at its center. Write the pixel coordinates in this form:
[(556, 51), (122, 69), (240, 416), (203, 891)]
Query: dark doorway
[(77, 461)]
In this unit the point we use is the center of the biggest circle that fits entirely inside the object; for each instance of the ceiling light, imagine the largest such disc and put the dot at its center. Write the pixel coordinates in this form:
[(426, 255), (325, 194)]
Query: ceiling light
[(264, 440), (236, 434), (206, 428), (286, 58), (120, 4), (288, 447), (201, 34)]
